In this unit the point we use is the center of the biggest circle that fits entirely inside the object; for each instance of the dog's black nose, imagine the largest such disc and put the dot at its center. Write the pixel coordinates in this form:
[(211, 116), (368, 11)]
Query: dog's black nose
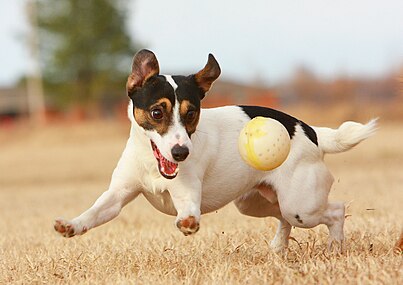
[(179, 153)]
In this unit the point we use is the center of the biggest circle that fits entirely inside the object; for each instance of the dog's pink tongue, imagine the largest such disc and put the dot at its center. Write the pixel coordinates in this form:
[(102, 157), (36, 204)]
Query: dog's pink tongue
[(168, 167)]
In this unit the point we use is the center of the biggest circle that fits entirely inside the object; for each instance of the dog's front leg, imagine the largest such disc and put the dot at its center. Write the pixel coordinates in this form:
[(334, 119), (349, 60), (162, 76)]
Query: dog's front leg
[(123, 188), (186, 196), (105, 208)]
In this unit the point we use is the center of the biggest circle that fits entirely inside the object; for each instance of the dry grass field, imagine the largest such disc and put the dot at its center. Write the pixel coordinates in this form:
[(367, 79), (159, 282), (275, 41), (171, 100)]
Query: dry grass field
[(60, 170)]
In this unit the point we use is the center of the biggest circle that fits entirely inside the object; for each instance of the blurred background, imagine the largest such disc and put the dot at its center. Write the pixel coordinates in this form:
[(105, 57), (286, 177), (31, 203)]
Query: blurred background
[(324, 61)]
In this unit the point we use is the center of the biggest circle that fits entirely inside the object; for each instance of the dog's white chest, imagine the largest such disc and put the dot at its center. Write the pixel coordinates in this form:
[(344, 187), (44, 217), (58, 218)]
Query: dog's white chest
[(161, 201)]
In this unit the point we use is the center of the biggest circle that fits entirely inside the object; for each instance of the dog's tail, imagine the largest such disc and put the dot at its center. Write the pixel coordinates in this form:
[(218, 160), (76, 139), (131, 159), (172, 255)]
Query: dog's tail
[(348, 135)]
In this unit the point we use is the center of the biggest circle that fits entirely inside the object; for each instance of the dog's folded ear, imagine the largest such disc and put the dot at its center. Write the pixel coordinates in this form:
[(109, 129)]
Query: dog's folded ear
[(205, 77), (145, 65)]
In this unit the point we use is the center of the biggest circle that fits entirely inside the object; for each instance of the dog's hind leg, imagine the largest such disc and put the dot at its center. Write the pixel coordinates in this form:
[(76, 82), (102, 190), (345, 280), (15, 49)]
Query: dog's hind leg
[(280, 241), (334, 217), (304, 200), (262, 203)]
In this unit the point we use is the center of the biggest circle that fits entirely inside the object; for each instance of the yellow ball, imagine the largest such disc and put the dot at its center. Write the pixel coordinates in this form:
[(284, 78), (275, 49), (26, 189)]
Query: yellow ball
[(264, 143)]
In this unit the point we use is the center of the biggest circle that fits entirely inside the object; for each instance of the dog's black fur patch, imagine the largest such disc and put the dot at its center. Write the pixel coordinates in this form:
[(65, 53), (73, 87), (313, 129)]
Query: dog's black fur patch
[(188, 90), (289, 122), (157, 87), (154, 88)]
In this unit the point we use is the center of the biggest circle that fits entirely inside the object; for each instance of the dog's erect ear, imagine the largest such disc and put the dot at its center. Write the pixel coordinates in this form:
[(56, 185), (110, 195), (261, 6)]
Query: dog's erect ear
[(206, 76), (145, 65)]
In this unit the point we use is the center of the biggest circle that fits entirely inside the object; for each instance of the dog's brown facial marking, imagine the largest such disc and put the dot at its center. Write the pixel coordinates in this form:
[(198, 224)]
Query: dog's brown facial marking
[(189, 114), (157, 117), (154, 97)]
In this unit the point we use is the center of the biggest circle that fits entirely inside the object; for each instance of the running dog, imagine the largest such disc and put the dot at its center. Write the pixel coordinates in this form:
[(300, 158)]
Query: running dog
[(185, 159)]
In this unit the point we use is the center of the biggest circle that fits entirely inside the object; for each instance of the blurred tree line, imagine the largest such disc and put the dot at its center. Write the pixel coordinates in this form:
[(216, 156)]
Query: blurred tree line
[(305, 86), (344, 97), (85, 50)]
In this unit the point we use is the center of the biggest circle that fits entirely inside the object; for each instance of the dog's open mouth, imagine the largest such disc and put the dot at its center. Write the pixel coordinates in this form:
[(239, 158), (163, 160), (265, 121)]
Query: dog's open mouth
[(167, 169)]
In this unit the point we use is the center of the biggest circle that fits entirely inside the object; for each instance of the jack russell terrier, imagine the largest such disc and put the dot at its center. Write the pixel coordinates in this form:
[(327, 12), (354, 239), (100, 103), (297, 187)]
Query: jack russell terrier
[(185, 159)]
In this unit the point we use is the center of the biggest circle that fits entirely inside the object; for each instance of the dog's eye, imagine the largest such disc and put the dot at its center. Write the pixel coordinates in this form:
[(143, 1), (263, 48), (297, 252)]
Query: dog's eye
[(157, 114), (190, 116)]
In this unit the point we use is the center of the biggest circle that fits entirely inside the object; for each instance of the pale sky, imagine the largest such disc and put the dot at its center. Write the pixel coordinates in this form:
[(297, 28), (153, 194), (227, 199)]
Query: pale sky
[(256, 39)]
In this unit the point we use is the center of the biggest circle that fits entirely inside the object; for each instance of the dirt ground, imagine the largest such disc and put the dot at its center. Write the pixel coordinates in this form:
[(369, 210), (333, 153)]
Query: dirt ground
[(60, 170)]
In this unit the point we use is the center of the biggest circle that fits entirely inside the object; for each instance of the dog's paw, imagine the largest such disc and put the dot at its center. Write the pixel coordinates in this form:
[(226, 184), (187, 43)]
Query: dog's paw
[(188, 226), (68, 229)]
